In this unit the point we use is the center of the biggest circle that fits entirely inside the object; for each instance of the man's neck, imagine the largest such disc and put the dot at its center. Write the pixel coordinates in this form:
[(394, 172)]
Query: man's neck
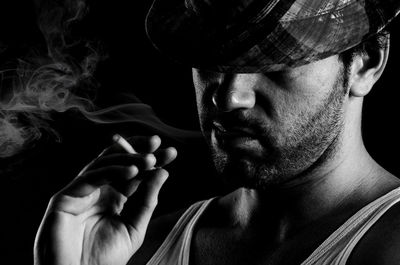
[(351, 180)]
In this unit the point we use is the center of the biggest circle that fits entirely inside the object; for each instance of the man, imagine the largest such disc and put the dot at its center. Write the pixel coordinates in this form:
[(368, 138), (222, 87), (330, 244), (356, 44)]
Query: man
[(279, 87)]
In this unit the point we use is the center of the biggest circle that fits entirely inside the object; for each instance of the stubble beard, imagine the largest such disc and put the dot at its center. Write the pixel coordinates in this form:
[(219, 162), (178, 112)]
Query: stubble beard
[(313, 141)]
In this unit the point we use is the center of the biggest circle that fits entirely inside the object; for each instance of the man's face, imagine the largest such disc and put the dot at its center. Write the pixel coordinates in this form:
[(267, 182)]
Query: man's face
[(266, 129)]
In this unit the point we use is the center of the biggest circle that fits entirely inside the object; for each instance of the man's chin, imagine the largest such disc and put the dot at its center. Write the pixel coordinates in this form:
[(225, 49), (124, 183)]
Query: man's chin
[(237, 173)]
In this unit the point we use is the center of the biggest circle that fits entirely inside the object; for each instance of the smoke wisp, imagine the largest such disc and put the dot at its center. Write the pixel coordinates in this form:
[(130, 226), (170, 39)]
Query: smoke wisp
[(58, 82)]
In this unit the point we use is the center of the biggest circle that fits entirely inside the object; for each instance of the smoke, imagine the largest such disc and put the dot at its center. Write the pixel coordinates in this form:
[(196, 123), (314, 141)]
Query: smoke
[(143, 114), (46, 83), (59, 81), (35, 95)]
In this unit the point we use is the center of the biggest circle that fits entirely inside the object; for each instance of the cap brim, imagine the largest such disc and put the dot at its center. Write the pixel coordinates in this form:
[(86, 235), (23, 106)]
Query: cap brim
[(289, 36)]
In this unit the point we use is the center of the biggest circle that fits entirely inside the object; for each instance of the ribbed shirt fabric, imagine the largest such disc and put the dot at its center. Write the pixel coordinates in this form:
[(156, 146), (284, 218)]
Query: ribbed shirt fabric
[(335, 250)]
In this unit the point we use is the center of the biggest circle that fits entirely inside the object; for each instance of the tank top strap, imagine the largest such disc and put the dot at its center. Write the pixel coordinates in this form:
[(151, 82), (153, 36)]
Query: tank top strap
[(337, 248), (176, 247)]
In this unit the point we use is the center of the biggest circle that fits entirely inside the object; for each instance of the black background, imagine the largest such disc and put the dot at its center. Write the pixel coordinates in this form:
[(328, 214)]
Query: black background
[(133, 66)]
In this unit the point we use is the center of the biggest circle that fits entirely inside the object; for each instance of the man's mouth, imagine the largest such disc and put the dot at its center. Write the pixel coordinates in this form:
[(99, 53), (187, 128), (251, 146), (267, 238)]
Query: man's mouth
[(237, 139), (231, 132)]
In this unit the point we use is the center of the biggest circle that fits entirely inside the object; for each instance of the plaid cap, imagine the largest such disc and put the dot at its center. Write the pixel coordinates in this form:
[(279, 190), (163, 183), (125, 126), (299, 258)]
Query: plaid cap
[(262, 35)]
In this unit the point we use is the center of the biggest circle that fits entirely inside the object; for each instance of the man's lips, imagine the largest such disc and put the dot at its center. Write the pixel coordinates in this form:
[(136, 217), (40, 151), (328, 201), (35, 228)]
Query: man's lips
[(237, 139), (225, 131)]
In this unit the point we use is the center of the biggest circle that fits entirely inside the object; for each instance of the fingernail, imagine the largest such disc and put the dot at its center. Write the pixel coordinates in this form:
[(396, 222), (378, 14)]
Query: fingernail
[(151, 159), (155, 138), (173, 150), (133, 170)]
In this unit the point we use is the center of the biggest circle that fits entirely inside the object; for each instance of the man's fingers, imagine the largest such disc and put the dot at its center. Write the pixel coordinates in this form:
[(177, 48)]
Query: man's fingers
[(143, 162), (145, 146), (140, 206), (159, 158), (140, 144), (129, 187), (165, 156), (90, 181), (116, 169), (147, 163)]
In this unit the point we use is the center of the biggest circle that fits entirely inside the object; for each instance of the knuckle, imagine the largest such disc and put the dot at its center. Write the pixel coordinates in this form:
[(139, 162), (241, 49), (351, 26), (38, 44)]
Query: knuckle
[(152, 203), (155, 201), (57, 200), (54, 199)]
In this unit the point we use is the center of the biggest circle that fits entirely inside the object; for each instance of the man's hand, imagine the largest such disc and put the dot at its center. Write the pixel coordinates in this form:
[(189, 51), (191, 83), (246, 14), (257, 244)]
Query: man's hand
[(101, 217)]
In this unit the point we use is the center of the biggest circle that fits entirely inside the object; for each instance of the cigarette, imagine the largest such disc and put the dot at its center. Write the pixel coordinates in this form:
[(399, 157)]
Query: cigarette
[(124, 143)]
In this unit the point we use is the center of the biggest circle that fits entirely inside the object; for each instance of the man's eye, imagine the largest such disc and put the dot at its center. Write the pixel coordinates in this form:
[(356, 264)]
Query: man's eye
[(284, 76), (277, 76)]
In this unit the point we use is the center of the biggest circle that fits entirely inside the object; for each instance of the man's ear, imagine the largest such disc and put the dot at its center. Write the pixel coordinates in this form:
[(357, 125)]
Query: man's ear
[(366, 69)]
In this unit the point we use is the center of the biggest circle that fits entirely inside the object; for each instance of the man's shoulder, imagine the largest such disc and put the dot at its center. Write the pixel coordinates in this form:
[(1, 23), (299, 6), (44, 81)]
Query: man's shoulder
[(157, 231), (381, 244)]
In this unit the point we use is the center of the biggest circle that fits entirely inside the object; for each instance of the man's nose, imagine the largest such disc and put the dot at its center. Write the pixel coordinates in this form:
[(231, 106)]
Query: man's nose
[(235, 92)]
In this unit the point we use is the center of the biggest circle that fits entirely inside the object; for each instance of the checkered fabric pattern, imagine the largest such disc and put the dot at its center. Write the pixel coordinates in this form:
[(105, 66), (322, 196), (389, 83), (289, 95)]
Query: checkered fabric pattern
[(262, 35)]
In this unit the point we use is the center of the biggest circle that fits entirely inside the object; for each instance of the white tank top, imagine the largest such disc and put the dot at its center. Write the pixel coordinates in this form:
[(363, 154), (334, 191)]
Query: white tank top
[(335, 250)]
